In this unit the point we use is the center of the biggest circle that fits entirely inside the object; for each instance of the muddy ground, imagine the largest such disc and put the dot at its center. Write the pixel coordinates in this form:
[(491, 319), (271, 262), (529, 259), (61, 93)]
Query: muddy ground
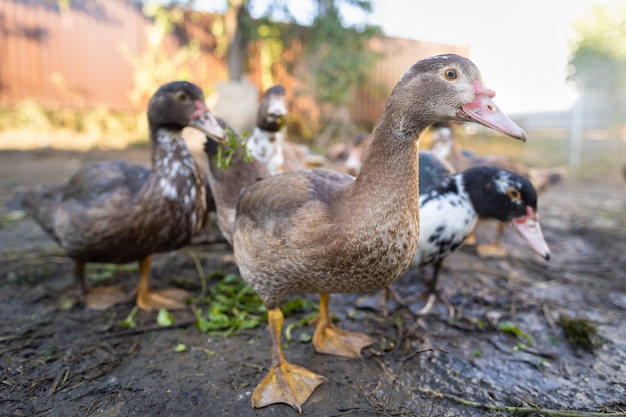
[(506, 347)]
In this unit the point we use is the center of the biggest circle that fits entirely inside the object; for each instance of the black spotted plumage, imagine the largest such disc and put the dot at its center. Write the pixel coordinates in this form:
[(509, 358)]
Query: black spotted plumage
[(451, 204)]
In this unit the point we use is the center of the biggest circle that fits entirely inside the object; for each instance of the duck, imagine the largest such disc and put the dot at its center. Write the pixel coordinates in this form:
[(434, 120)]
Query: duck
[(445, 147), (452, 203), (225, 183), (319, 231), (353, 162), (267, 143), (119, 212)]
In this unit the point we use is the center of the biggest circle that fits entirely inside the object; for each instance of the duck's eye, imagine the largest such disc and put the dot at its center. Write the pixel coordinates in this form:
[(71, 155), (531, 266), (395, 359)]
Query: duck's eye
[(181, 96), (513, 194), (450, 74)]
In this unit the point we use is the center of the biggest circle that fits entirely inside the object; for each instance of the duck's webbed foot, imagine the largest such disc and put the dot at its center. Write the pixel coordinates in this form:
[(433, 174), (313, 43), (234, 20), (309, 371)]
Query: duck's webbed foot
[(331, 340)]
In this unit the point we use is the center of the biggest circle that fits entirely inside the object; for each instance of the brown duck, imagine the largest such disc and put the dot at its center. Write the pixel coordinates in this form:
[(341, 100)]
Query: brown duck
[(319, 231), (118, 212)]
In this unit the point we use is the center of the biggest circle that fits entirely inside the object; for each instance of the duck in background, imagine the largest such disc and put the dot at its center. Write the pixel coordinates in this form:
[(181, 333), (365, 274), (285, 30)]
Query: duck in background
[(356, 151), (450, 206), (445, 148), (118, 212), (319, 231), (227, 183), (267, 143)]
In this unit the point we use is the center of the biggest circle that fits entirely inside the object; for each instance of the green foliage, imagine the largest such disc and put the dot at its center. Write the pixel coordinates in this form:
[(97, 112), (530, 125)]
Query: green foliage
[(30, 276), (30, 115), (226, 151), (581, 333), (338, 57), (598, 58), (129, 322), (165, 318), (100, 272), (10, 219), (232, 305), (155, 66), (508, 327), (598, 50)]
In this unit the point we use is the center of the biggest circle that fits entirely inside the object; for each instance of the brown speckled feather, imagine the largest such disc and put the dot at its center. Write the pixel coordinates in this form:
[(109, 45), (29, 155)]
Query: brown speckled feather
[(120, 212), (320, 232)]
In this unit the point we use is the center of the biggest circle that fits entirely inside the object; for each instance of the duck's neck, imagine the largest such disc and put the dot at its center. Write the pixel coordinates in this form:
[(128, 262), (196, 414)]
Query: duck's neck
[(174, 171), (168, 146), (390, 169), (386, 189)]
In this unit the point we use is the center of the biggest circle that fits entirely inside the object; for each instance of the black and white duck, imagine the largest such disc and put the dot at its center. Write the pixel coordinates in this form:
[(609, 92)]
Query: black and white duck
[(268, 143), (445, 146), (451, 204)]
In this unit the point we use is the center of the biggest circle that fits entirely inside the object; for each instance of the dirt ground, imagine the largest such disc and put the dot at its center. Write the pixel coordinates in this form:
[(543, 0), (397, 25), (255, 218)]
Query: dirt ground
[(506, 348)]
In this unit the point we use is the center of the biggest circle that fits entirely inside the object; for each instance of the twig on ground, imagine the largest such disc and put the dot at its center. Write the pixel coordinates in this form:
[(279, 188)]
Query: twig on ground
[(518, 410), (201, 274), (414, 354), (141, 330)]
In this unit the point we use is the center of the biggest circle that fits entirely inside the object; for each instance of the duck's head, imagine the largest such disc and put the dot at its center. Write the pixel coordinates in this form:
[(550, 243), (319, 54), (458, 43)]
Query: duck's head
[(509, 197), (179, 104), (450, 87), (273, 109)]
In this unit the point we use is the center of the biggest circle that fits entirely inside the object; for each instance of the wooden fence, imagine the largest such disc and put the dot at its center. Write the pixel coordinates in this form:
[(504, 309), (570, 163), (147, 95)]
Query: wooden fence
[(72, 58)]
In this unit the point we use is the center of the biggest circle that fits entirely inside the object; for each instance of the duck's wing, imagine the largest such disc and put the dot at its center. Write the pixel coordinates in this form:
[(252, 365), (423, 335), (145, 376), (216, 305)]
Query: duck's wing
[(99, 181), (297, 213), (41, 202)]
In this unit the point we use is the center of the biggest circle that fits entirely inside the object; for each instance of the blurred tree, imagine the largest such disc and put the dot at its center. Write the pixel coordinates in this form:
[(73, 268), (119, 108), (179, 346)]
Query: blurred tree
[(237, 24), (155, 66), (335, 53), (598, 57)]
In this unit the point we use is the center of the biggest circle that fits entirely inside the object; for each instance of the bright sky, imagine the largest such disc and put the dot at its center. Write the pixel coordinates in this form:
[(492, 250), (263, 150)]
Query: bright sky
[(521, 47)]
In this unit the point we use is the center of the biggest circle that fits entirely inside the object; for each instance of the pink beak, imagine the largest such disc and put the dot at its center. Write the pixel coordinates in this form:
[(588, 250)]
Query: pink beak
[(528, 227), (484, 110), (204, 121)]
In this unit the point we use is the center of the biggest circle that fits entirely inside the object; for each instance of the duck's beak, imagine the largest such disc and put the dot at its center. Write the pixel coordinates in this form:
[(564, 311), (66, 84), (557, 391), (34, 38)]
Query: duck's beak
[(204, 121), (276, 110), (529, 228), (276, 106), (484, 110)]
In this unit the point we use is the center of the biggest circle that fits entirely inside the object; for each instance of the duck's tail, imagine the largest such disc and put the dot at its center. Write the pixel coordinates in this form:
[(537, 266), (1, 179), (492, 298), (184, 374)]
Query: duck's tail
[(40, 203)]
